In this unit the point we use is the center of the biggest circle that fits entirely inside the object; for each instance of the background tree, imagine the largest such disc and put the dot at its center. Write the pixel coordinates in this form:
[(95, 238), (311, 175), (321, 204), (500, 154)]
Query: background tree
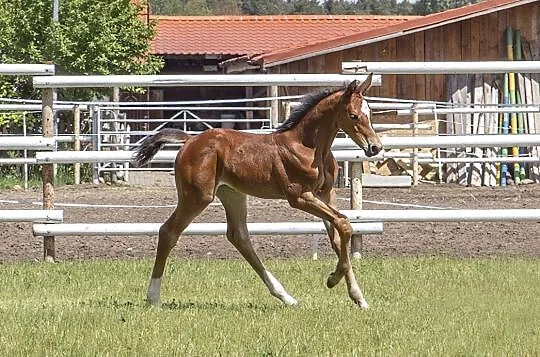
[(305, 7), (273, 7), (197, 8), (264, 7), (92, 37), (338, 7), (226, 7), (424, 7), (167, 7)]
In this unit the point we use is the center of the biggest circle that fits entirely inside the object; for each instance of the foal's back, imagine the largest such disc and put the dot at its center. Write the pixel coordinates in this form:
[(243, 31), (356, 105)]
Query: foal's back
[(243, 161)]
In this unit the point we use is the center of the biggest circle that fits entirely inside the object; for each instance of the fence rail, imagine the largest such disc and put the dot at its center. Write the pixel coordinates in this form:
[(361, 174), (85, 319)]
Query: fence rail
[(229, 80), (443, 215), (23, 69), (115, 229), (29, 215), (447, 67)]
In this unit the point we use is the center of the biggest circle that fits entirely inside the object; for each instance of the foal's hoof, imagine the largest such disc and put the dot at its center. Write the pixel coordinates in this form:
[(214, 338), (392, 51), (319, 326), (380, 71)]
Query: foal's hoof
[(153, 302), (362, 304), (332, 280), (290, 301)]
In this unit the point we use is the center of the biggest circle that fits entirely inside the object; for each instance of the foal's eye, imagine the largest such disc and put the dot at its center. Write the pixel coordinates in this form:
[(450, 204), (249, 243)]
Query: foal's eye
[(353, 117)]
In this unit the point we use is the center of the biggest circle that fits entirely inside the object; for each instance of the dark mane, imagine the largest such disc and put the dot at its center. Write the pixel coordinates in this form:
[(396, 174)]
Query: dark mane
[(308, 101)]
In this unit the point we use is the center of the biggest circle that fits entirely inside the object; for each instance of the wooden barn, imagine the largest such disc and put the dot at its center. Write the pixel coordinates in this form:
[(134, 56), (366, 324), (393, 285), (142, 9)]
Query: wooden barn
[(319, 44), (470, 33), (228, 44)]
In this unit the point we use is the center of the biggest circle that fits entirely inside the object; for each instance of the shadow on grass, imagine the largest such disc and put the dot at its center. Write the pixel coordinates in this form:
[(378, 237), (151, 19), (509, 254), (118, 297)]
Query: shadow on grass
[(185, 305), (112, 303), (219, 305)]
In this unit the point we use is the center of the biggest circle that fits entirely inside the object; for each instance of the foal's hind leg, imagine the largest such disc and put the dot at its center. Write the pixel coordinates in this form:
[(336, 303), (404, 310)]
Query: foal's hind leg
[(237, 233), (188, 208), (355, 293)]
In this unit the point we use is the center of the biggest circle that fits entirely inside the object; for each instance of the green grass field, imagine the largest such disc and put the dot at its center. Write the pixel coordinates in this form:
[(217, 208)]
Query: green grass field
[(419, 306)]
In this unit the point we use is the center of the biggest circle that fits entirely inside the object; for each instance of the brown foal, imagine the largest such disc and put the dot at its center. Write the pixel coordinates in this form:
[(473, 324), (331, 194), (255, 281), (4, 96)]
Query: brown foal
[(294, 163)]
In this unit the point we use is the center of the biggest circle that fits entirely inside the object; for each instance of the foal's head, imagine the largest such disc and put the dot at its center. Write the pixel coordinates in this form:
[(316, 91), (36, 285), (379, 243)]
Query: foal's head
[(355, 117)]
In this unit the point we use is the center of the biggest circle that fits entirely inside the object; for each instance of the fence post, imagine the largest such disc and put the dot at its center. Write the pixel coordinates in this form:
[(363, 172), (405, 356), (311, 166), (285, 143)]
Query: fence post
[(274, 93), (415, 167), (115, 138), (77, 141), (356, 204), (95, 141), (47, 170)]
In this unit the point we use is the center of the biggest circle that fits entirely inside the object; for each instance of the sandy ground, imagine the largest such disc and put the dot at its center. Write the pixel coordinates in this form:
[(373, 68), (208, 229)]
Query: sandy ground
[(399, 239)]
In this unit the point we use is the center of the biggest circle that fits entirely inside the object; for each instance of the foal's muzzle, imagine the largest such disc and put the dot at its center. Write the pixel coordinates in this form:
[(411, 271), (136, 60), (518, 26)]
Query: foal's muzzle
[(373, 149)]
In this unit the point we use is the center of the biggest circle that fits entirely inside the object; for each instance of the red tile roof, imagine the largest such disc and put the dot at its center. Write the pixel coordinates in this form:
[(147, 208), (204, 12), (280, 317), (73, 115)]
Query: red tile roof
[(256, 35), (361, 38), (272, 40)]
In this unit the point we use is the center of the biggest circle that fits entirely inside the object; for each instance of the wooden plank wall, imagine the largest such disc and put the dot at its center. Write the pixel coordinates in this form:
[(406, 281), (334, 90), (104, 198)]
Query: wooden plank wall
[(476, 39)]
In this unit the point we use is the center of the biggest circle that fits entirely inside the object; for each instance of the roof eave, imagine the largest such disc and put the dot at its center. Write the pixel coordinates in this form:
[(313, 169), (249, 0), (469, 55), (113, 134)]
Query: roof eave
[(297, 54)]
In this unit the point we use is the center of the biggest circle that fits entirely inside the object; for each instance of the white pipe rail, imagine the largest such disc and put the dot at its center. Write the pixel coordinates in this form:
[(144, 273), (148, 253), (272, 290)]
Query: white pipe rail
[(167, 156), (194, 80), (26, 69), (19, 161), (450, 141), (351, 152), (31, 215), (473, 159), (405, 126), (26, 142), (398, 105), (69, 138), (71, 157), (459, 67), (133, 229), (443, 215), (37, 107), (470, 110), (360, 155)]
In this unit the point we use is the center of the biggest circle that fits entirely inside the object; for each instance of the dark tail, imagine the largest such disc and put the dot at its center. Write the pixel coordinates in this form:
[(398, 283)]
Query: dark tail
[(151, 145)]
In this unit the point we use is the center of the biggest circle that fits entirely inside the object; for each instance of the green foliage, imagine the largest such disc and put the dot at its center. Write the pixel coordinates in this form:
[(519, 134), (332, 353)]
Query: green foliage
[(419, 306), (196, 7), (13, 175), (264, 7), (424, 7), (101, 37), (274, 7), (306, 7), (226, 7), (92, 37), (338, 7)]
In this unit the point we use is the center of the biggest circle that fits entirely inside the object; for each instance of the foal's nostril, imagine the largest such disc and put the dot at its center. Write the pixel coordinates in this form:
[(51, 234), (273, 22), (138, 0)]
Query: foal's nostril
[(374, 149)]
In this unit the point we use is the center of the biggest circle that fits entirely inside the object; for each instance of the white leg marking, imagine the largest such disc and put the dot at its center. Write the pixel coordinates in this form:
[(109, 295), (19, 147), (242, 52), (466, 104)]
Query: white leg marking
[(277, 290), (154, 289), (363, 304)]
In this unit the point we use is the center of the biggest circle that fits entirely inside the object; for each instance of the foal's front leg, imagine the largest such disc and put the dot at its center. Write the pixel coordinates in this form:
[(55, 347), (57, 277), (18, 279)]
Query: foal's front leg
[(309, 203), (237, 233), (353, 289)]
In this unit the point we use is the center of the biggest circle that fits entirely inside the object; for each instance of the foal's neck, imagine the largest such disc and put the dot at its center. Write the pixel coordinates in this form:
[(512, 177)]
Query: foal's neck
[(319, 127)]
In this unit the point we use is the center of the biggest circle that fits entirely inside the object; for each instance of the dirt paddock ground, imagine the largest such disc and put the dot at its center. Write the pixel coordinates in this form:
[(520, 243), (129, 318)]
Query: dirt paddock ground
[(398, 239)]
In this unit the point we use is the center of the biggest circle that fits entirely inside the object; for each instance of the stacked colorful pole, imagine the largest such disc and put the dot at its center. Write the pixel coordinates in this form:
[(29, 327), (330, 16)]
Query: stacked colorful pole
[(520, 117), (512, 95), (504, 130)]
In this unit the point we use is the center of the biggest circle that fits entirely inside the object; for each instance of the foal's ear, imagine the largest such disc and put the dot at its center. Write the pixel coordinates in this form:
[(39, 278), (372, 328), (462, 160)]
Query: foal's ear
[(351, 88), (362, 88)]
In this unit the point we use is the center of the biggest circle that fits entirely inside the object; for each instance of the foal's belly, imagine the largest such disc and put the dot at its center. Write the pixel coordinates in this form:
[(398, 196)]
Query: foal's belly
[(252, 178)]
